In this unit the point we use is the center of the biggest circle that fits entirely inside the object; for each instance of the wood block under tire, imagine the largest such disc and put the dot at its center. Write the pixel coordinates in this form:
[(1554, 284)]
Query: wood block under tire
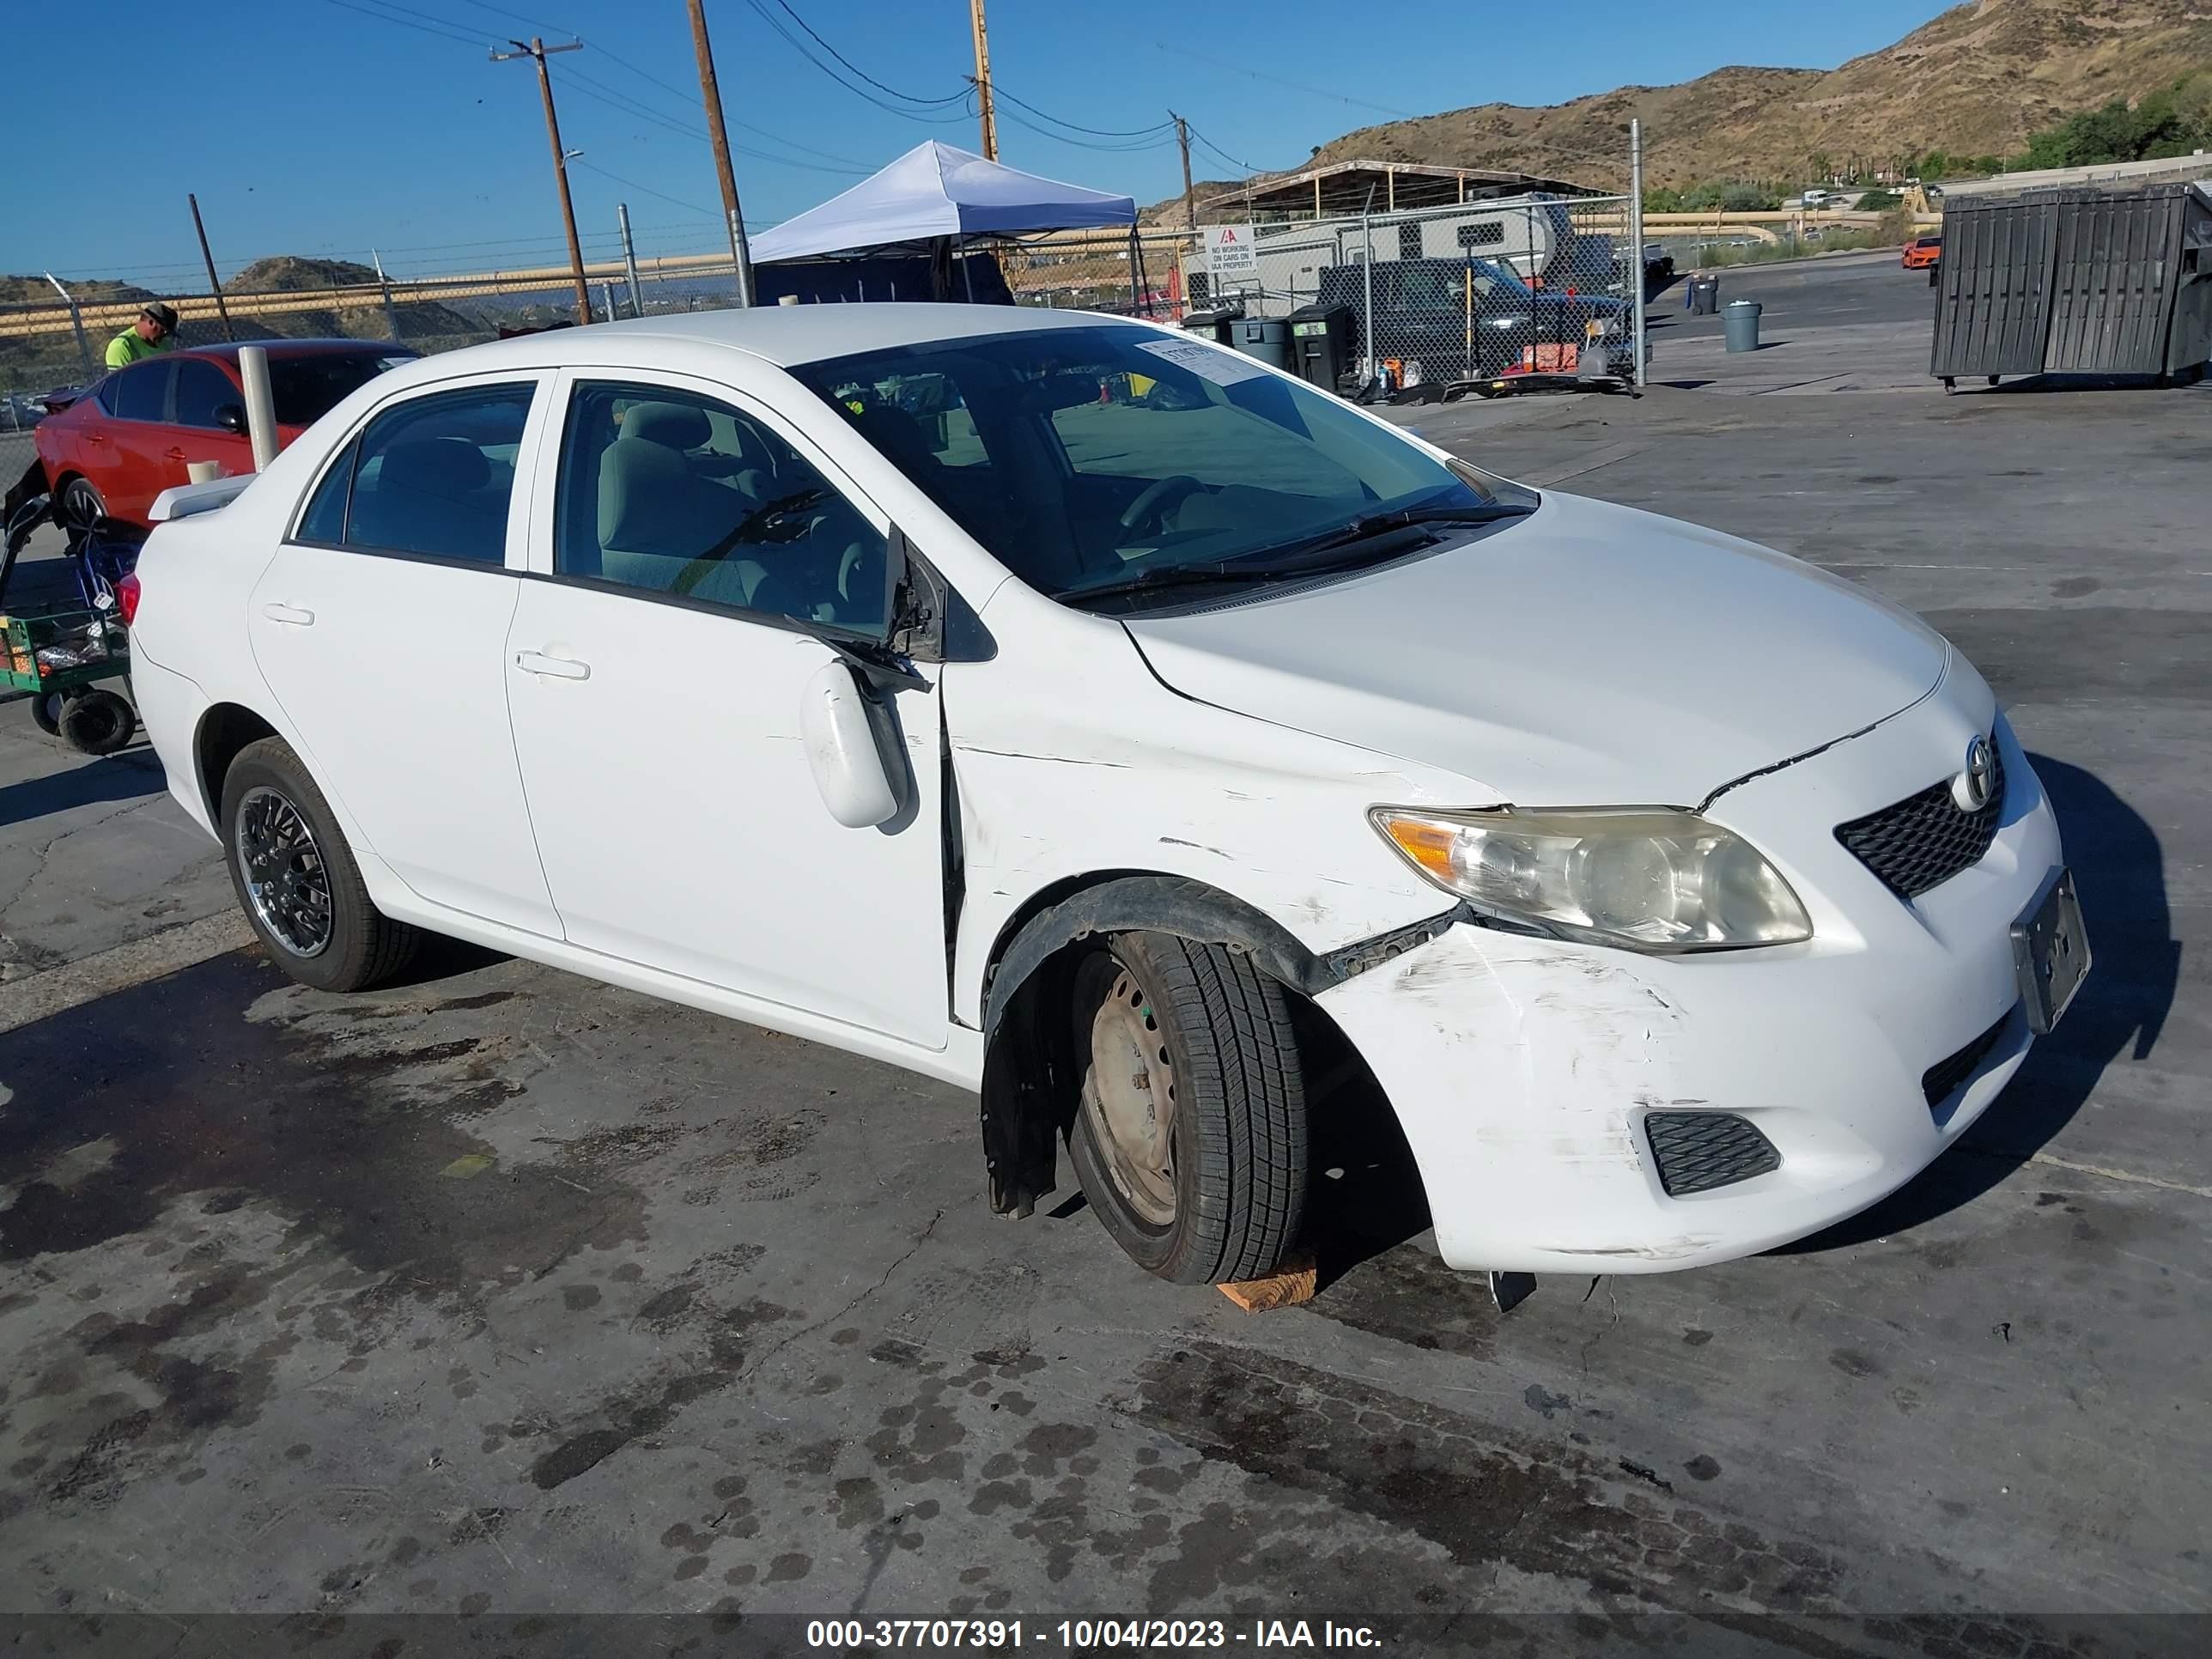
[(1295, 1282)]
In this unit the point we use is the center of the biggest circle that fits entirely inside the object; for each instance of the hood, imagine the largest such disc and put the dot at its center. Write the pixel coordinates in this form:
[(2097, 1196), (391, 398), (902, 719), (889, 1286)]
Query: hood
[(1584, 655)]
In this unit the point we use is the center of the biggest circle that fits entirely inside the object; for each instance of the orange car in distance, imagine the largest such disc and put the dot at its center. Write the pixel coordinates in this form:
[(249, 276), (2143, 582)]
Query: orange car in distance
[(1922, 251)]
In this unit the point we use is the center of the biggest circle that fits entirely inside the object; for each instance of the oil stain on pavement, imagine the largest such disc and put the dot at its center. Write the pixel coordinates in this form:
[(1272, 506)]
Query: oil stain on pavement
[(510, 1291)]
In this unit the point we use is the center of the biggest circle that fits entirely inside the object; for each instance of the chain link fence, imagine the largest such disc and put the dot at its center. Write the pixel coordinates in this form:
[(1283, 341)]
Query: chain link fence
[(1389, 303)]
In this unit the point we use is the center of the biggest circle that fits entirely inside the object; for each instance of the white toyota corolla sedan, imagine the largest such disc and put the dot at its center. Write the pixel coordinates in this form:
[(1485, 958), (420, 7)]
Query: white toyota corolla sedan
[(1081, 713)]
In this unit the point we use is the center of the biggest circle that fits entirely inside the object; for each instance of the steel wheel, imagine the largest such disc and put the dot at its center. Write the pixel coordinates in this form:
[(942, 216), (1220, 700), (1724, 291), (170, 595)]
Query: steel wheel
[(1129, 1097), (79, 508), (287, 881)]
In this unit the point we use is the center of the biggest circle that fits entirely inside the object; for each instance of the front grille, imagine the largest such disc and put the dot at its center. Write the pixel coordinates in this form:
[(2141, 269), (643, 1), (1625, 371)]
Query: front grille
[(1697, 1152), (1924, 840), (1942, 1080)]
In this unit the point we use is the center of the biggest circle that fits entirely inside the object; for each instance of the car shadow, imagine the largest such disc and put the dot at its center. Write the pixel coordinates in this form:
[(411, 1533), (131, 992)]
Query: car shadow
[(93, 784), (2119, 872), (443, 957)]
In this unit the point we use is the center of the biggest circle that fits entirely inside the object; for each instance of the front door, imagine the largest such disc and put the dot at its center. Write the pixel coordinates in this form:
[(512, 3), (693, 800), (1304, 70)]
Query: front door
[(196, 431), (693, 556), (380, 626)]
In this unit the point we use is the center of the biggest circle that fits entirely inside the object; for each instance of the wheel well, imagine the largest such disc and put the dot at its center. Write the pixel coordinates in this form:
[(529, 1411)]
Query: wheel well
[(225, 730), (1033, 1072)]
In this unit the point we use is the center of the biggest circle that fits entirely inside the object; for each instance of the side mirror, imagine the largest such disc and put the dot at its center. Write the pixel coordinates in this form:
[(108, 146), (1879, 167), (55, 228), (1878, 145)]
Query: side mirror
[(231, 417), (839, 740)]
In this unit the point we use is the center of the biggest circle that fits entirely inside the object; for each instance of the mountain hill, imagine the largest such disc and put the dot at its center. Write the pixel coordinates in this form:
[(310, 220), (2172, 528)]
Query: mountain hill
[(1977, 80)]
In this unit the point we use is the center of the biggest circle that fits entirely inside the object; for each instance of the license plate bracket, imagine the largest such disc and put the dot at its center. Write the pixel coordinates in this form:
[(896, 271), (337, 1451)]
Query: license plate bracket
[(2050, 952)]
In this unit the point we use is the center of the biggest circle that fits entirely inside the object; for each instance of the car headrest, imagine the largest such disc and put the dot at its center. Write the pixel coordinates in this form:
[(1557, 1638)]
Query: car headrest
[(450, 467), (676, 426), (897, 434), (644, 504)]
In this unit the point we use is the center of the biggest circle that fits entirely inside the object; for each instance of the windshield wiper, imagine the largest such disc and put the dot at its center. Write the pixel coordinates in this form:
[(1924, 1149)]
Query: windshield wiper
[(1370, 529), (1368, 526)]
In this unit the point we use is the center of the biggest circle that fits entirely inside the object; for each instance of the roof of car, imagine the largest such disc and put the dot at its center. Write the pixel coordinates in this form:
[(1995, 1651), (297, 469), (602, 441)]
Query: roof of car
[(784, 335), (300, 349)]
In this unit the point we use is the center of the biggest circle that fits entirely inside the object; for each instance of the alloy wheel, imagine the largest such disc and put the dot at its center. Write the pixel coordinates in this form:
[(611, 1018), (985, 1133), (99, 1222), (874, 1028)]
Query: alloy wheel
[(287, 881)]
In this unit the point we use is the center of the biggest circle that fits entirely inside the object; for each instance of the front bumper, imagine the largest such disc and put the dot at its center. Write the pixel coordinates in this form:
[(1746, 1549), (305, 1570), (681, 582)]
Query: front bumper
[(1523, 1070)]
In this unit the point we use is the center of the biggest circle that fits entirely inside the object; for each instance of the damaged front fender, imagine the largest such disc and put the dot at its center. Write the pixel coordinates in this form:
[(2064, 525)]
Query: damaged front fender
[(1032, 1063)]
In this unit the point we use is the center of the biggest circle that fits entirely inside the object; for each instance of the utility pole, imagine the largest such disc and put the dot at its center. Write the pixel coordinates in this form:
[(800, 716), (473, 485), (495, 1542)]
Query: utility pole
[(537, 50), (741, 253), (1636, 244), (985, 111), (1189, 202), (221, 310)]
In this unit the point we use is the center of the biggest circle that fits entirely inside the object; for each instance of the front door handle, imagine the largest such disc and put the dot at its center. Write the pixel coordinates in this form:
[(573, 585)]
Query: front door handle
[(291, 614), (173, 454), (558, 668)]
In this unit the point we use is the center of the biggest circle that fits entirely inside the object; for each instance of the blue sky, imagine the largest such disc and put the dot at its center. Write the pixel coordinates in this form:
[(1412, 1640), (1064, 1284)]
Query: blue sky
[(310, 127)]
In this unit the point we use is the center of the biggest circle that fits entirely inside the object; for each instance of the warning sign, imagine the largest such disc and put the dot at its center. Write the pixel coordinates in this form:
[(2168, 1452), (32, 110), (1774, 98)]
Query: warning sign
[(1230, 251)]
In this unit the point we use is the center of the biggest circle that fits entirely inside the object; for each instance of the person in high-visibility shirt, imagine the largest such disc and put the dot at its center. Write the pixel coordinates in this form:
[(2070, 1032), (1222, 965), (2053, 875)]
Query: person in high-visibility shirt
[(154, 330)]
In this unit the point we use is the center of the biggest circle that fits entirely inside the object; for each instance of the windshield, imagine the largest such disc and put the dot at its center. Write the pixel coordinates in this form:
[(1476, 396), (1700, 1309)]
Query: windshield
[(304, 389), (1086, 457)]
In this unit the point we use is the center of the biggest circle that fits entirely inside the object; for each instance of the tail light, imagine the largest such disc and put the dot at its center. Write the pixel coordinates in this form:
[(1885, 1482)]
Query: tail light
[(127, 597)]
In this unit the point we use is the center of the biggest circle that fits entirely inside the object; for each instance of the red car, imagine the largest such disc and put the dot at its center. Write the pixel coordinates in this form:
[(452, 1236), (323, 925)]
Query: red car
[(126, 438)]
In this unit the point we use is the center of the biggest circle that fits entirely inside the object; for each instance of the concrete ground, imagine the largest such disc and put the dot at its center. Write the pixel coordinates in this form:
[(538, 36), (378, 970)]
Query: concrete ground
[(500, 1292)]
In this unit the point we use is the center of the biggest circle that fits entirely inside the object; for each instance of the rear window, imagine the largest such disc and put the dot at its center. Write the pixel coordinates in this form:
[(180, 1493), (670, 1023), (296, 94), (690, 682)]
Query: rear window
[(307, 388)]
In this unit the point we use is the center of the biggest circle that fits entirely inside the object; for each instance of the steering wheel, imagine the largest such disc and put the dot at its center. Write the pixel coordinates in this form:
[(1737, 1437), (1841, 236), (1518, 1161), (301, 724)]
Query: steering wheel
[(1155, 500)]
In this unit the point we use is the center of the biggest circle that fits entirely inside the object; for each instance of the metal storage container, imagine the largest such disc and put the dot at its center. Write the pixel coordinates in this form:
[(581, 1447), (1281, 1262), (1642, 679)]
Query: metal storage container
[(2075, 281)]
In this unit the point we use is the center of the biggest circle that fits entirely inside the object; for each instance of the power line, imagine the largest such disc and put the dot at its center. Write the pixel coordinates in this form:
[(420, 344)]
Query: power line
[(999, 87), (629, 106), (637, 106), (1234, 161), (1161, 142), (800, 46), (386, 17), (1295, 86), (632, 184), (906, 97)]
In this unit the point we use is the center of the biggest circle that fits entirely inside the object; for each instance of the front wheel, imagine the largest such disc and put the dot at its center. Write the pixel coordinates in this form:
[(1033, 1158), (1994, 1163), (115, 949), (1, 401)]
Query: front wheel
[(1190, 1138), (296, 880)]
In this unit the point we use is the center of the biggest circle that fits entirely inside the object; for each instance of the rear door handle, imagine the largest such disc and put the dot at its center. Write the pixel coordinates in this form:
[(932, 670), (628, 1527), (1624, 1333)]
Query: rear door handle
[(558, 668), (289, 613), (173, 454)]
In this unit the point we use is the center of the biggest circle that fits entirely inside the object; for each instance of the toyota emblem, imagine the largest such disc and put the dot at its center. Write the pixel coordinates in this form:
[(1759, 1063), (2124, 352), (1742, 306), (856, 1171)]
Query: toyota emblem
[(1971, 788)]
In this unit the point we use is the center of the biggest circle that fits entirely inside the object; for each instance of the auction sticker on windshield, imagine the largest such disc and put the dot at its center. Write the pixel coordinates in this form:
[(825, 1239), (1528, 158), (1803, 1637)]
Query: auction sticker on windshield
[(1208, 362)]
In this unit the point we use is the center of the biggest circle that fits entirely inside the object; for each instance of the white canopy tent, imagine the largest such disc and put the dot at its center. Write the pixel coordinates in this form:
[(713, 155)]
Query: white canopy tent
[(935, 192)]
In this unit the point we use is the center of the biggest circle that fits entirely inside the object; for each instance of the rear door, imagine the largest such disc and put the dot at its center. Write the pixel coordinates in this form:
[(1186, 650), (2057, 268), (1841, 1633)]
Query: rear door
[(380, 625), (125, 452)]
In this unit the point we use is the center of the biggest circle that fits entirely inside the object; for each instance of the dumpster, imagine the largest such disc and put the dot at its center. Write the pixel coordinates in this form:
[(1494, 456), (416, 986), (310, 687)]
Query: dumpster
[(1214, 325), (1267, 338), (1320, 345), (1739, 322), (2078, 280)]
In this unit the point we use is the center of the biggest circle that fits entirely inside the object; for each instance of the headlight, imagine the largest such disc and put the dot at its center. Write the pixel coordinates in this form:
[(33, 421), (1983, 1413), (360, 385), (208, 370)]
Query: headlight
[(1648, 880)]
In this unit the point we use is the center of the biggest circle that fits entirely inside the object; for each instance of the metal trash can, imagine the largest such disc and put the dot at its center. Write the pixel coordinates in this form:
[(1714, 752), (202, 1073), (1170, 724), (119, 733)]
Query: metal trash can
[(1214, 325), (1320, 345), (1739, 322), (1704, 296), (1267, 338)]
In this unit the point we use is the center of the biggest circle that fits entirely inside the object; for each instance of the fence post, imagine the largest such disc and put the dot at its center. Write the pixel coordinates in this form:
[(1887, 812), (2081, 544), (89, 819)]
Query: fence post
[(384, 287), (77, 322), (1636, 243), (629, 260), (1367, 275)]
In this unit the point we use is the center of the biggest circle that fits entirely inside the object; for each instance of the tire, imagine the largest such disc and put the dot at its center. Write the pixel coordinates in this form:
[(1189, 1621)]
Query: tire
[(358, 946), (96, 722), (79, 508), (46, 713), (1218, 1041)]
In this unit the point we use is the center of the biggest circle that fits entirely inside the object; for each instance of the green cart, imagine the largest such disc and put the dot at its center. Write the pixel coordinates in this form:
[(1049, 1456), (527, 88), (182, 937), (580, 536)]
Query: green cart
[(59, 654)]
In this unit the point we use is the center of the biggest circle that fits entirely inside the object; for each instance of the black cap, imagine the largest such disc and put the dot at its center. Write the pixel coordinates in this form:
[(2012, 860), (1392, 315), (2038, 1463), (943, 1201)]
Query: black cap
[(161, 313)]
